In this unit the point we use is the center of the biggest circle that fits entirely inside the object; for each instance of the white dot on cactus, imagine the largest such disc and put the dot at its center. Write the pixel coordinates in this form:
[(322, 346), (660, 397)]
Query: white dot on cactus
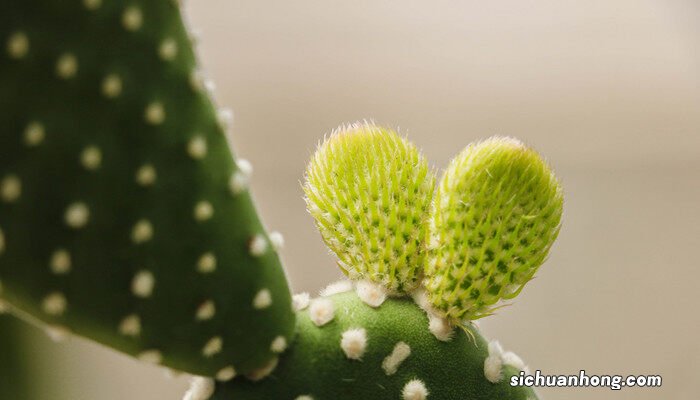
[(92, 4), (54, 304), (440, 328), (278, 345), (414, 390), (393, 361), (225, 117), (277, 240), (300, 301), (10, 188), (132, 18), (354, 343), (321, 311), (239, 182), (77, 215), (209, 85), (206, 263), (341, 286), (257, 245), (60, 262), (195, 80), (154, 113), (151, 357), (130, 325), (167, 50), (226, 374), (142, 232), (262, 300), (370, 293), (201, 388), (512, 359), (57, 333), (18, 45), (213, 347), (66, 66), (263, 372), (493, 368), (142, 284), (111, 86), (91, 158), (146, 175), (304, 397), (34, 134), (495, 349), (197, 147), (206, 311), (203, 211), (245, 166)]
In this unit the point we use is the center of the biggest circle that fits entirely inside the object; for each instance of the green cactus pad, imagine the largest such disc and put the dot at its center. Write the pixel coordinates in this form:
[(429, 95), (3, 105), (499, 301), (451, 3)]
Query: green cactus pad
[(15, 381), (369, 191), (494, 217), (384, 353), (123, 216)]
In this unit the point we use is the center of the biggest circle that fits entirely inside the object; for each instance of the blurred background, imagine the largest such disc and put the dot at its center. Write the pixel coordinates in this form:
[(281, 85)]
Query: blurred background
[(608, 91)]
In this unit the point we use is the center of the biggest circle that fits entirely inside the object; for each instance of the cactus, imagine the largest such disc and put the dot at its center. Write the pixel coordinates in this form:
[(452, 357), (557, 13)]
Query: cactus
[(123, 216), (125, 219), (14, 369)]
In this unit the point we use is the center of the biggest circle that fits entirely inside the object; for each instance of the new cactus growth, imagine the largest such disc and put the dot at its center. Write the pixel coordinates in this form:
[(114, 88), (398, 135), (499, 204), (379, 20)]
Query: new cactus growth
[(124, 218)]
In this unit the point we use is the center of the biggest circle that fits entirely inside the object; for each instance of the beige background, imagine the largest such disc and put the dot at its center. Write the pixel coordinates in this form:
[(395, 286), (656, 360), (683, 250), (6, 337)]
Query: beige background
[(608, 91)]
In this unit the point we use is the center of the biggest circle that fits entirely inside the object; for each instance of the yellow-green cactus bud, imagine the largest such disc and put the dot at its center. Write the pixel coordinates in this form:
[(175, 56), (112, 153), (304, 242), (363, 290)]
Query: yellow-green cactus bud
[(370, 191), (495, 215)]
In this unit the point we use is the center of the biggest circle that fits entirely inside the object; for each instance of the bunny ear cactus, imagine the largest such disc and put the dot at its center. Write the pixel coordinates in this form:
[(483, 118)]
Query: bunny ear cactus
[(123, 216), (422, 264)]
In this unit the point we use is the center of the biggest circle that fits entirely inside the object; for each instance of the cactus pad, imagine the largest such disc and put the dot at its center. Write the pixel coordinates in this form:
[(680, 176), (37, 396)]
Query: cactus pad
[(123, 216), (369, 191), (496, 212), (383, 353)]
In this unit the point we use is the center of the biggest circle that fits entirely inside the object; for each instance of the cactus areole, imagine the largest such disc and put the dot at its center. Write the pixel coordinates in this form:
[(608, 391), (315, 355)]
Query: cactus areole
[(125, 219)]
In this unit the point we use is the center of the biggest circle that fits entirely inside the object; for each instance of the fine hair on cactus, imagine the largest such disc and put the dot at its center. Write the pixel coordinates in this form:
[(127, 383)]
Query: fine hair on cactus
[(126, 219)]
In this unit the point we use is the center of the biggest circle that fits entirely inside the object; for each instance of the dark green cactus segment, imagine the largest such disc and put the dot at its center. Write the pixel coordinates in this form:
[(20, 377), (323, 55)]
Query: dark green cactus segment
[(396, 360), (123, 216)]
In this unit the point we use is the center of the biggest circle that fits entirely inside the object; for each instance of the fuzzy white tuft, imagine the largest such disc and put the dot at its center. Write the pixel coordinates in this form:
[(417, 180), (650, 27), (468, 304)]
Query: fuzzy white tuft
[(300, 301), (213, 347), (225, 117), (495, 349), (201, 388), (393, 361), (151, 357), (146, 175), (493, 368), (60, 262), (258, 245), (54, 304), (77, 215), (167, 51), (91, 158), (226, 374), (414, 390), (279, 345), (206, 263), (206, 311), (92, 4), (66, 66), (354, 343), (197, 147), (512, 359), (336, 288), (34, 134), (277, 240), (143, 283), (130, 325), (18, 45), (262, 300), (370, 293), (304, 397), (111, 86), (203, 211), (321, 311), (154, 113), (10, 188), (142, 232), (132, 19), (440, 328)]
